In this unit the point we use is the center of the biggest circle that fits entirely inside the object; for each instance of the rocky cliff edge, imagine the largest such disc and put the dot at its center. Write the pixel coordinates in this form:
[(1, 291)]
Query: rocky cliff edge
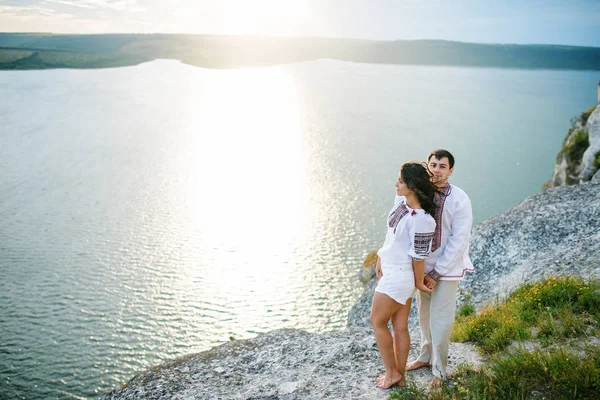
[(556, 232), (579, 159)]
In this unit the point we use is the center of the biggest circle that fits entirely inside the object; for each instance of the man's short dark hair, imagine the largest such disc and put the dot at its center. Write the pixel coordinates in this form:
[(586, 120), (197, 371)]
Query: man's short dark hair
[(441, 153)]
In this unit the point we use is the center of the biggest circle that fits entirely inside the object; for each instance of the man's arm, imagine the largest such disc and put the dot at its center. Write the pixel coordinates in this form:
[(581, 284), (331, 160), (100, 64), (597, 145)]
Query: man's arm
[(457, 242)]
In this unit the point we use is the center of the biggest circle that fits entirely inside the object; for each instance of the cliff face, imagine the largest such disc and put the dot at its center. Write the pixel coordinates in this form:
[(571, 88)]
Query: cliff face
[(579, 159)]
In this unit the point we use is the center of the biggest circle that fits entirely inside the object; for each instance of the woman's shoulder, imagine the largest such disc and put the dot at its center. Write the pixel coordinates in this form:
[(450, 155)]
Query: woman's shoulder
[(424, 220), (399, 199)]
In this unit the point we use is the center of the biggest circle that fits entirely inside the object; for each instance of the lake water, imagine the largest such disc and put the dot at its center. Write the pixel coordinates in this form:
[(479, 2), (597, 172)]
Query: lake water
[(155, 211)]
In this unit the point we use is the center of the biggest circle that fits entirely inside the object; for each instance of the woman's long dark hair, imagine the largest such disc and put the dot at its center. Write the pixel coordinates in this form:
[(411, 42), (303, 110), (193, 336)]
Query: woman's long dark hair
[(415, 175)]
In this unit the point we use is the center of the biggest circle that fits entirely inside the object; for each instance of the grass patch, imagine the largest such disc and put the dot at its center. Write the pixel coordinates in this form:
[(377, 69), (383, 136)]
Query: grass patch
[(549, 311), (410, 392), (597, 160), (465, 310), (577, 145), (557, 307), (556, 374), (586, 114)]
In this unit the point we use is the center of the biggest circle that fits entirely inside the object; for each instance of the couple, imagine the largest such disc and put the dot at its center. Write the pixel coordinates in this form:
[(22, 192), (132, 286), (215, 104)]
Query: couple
[(426, 248)]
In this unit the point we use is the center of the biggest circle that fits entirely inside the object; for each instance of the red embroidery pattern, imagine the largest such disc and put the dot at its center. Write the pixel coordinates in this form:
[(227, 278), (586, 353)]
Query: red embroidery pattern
[(396, 215), (422, 243), (440, 199)]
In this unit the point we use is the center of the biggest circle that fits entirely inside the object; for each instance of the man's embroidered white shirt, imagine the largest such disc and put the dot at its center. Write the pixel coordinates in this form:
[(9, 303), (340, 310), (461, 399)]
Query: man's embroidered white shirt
[(450, 261)]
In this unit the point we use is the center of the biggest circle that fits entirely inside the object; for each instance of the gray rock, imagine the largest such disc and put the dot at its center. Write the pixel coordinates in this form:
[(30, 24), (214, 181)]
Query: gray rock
[(575, 168), (360, 311), (283, 364), (556, 232), (588, 165), (288, 387)]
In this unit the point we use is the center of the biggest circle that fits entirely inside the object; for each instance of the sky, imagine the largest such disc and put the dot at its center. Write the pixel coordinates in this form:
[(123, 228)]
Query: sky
[(574, 22)]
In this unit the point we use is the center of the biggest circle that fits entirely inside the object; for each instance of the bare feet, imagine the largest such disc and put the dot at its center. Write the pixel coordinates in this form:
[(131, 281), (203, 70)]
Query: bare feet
[(435, 383), (411, 366), (386, 382)]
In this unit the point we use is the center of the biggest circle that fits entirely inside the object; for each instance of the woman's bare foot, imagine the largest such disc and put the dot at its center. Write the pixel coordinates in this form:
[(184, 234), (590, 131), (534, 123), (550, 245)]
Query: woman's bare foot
[(435, 383), (401, 382), (411, 366), (386, 382)]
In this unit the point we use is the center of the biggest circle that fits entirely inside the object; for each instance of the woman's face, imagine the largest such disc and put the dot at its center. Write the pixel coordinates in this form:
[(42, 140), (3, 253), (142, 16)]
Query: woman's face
[(401, 188)]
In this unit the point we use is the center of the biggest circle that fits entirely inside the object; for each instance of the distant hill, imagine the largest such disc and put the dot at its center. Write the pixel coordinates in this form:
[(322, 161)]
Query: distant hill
[(42, 51)]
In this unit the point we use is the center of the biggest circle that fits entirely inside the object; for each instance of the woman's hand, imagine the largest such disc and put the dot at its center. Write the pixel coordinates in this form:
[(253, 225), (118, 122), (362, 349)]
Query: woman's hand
[(430, 282), (378, 272)]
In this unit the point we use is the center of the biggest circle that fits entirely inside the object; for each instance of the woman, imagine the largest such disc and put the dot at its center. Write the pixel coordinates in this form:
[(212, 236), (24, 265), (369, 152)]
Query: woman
[(400, 267)]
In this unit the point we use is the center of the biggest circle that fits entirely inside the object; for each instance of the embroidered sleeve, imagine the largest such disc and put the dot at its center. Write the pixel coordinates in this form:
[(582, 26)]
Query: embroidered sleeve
[(421, 233), (421, 246), (434, 275)]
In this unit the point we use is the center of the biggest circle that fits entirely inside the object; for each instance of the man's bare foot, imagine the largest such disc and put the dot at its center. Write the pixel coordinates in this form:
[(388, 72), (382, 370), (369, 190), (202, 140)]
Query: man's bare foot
[(386, 382), (435, 383), (411, 366)]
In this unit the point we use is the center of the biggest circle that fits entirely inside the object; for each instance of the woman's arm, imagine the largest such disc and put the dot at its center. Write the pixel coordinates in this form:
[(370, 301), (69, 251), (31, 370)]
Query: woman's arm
[(378, 271)]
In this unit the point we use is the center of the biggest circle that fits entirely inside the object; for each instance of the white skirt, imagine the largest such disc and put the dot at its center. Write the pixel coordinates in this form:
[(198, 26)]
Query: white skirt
[(398, 282)]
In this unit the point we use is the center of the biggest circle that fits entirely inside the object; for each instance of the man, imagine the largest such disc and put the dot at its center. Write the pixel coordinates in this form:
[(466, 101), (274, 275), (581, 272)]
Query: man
[(447, 265)]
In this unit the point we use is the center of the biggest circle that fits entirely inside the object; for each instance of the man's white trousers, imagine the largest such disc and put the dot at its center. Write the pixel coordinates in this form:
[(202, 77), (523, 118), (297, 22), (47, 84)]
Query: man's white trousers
[(436, 317)]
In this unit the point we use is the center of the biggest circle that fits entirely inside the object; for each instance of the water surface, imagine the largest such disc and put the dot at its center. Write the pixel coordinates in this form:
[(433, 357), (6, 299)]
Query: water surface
[(154, 211)]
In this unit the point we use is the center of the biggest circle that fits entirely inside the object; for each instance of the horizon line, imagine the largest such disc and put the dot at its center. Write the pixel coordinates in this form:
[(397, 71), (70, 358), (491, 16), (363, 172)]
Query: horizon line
[(295, 37)]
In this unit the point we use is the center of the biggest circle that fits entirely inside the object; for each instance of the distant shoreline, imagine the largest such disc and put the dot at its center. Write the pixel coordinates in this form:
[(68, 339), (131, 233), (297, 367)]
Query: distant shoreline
[(20, 51)]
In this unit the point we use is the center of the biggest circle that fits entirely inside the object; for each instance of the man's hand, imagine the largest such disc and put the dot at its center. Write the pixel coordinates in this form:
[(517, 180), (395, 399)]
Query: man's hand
[(429, 282)]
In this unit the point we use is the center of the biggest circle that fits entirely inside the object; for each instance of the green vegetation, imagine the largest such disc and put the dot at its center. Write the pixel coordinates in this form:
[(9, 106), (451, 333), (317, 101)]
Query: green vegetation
[(237, 51), (465, 310), (597, 159), (556, 315), (576, 146), (586, 114), (557, 308)]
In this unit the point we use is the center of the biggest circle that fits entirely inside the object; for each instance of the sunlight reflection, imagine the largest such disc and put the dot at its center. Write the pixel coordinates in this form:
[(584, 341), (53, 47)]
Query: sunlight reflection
[(243, 191)]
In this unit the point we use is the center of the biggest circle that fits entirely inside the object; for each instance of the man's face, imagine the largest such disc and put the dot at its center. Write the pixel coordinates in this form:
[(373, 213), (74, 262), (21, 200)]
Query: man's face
[(440, 169)]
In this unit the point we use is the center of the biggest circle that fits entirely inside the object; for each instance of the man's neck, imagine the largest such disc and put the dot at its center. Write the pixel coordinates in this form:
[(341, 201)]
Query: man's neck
[(441, 185)]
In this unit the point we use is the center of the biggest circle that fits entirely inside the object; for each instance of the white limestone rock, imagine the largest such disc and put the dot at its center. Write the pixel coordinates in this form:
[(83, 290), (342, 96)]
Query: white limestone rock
[(576, 166), (553, 233), (284, 364), (589, 168)]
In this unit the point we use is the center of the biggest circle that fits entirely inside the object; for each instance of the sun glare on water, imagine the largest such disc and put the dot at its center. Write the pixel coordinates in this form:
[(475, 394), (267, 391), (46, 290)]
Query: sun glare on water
[(242, 189)]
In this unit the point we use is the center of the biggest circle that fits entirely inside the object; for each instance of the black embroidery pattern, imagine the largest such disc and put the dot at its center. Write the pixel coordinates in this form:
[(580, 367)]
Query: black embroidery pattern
[(396, 215), (422, 243), (440, 199)]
